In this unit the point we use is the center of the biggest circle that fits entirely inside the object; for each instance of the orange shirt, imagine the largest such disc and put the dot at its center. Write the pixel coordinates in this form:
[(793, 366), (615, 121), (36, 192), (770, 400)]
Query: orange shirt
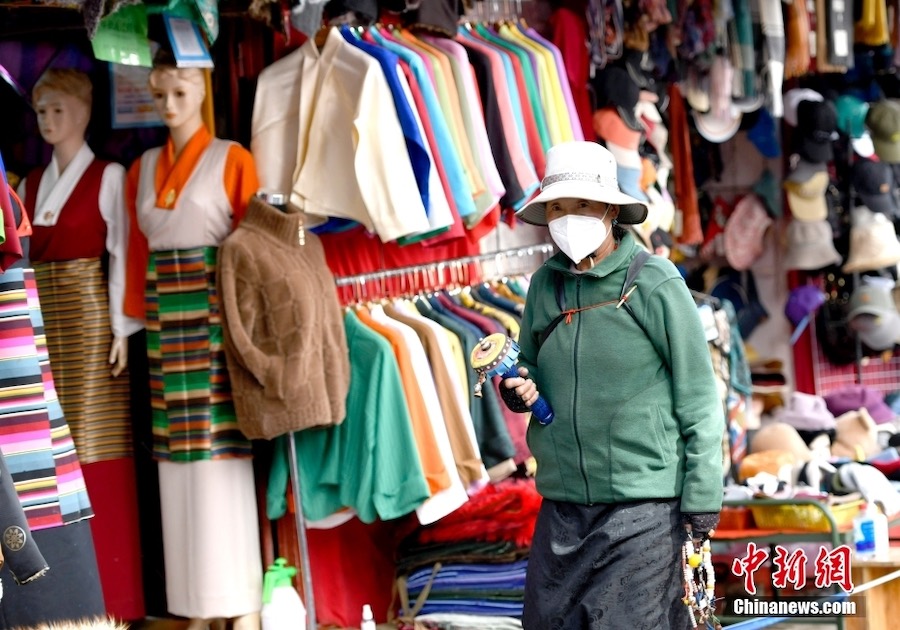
[(432, 465), (172, 173)]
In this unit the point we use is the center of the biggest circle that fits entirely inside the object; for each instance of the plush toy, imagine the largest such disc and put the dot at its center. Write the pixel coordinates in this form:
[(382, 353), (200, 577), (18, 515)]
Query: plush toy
[(856, 436)]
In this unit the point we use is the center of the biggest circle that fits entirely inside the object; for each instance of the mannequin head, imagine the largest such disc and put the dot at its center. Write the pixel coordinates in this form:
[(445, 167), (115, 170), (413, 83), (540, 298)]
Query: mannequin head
[(178, 93), (62, 99)]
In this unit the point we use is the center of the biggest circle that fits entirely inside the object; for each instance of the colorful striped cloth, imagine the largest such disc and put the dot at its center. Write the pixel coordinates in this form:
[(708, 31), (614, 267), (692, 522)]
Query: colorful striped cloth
[(75, 306), (34, 435), (193, 414)]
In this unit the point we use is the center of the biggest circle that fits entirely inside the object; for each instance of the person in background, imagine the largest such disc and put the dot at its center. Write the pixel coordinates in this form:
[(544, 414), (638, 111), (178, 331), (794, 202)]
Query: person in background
[(631, 466)]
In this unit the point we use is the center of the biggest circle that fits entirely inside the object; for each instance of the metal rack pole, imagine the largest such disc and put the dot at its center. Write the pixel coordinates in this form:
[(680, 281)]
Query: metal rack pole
[(528, 250), (309, 598)]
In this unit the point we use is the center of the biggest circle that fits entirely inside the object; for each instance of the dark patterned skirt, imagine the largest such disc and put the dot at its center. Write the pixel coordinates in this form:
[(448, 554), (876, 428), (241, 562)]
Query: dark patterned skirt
[(604, 567), (75, 305), (193, 413)]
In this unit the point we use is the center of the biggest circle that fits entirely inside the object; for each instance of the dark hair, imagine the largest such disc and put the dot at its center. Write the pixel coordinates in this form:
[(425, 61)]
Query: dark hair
[(164, 58), (618, 232)]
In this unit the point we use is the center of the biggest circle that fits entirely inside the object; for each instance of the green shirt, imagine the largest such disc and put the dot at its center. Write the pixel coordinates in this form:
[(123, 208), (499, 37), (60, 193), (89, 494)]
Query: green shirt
[(369, 462)]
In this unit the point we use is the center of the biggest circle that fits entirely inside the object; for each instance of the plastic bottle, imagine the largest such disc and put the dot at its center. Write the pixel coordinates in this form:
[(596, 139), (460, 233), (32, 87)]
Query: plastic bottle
[(282, 607), (870, 534), (368, 620)]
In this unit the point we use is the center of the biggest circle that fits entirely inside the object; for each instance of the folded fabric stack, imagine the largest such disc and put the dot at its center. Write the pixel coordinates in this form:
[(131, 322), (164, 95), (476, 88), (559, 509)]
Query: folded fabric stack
[(476, 589), (468, 569)]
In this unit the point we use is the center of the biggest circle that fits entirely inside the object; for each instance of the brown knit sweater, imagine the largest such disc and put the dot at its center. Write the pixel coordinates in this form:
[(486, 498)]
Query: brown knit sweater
[(285, 343)]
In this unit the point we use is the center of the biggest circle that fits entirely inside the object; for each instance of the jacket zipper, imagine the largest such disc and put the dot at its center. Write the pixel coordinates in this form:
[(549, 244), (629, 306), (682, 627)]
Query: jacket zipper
[(575, 396)]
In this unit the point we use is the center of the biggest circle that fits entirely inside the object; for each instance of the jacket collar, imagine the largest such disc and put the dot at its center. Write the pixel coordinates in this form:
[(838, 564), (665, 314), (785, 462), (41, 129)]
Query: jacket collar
[(620, 257)]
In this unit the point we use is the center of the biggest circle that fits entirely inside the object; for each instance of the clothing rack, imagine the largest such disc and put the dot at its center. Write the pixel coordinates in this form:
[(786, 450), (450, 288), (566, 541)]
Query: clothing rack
[(434, 274)]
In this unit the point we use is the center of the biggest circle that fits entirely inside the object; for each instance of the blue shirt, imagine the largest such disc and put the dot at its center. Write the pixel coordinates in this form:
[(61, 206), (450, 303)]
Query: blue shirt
[(415, 144), (459, 185)]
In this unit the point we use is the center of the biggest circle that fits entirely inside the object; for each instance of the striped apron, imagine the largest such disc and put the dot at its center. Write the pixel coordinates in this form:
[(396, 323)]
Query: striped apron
[(193, 413), (34, 435), (75, 305)]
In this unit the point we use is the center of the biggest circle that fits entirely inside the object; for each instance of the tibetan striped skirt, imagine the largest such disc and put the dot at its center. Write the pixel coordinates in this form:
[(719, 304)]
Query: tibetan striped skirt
[(75, 304), (193, 414), (34, 435)]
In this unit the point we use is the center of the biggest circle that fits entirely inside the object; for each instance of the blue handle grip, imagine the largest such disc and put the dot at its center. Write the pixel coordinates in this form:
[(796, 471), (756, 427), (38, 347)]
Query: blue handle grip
[(540, 410)]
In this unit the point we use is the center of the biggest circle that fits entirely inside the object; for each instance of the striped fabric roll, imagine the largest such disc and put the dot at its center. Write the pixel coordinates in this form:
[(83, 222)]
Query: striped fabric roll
[(193, 414), (75, 306), (34, 435)]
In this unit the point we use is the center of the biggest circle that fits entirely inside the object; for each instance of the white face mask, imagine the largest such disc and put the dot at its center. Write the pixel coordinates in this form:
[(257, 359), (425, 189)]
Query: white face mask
[(577, 235)]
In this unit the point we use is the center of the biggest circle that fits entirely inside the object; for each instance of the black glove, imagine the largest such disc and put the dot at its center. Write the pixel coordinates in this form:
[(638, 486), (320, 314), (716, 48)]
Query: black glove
[(512, 400), (701, 524)]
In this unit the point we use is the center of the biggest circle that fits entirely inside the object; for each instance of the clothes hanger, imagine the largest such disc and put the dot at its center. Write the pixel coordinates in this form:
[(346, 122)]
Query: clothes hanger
[(321, 36)]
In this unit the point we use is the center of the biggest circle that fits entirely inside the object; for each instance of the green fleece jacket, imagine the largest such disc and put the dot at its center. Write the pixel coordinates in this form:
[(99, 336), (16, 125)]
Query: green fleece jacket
[(638, 416)]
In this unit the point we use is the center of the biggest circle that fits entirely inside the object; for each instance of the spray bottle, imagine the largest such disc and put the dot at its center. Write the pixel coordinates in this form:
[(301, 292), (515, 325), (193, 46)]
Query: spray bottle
[(282, 607), (870, 534), (368, 619)]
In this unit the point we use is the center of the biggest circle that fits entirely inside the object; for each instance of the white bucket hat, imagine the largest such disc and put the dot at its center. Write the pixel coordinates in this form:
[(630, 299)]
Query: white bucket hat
[(873, 241), (582, 170)]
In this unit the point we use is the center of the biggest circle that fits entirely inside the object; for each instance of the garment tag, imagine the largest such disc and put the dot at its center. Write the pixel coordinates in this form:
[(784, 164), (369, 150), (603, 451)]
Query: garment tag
[(678, 223), (840, 43), (708, 319)]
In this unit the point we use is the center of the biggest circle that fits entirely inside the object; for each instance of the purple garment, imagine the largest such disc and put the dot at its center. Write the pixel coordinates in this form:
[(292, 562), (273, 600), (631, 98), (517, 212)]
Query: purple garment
[(487, 325)]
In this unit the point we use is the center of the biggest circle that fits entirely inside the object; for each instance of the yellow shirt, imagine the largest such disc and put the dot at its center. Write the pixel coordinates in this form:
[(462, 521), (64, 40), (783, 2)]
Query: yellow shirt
[(555, 105)]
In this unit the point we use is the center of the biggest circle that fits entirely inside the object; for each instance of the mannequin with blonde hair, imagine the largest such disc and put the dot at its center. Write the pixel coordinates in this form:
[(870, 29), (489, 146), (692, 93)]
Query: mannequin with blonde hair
[(76, 208), (183, 199)]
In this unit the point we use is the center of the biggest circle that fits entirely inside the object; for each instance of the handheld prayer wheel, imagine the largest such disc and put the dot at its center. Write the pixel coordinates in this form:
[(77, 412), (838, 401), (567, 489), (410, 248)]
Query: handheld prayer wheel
[(496, 355)]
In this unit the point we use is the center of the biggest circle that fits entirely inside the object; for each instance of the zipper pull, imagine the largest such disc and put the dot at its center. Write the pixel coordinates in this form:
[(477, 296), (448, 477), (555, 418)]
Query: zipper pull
[(301, 233)]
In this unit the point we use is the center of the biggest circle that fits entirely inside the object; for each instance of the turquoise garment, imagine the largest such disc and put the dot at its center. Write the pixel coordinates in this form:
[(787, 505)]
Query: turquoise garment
[(638, 415), (370, 462), (453, 166)]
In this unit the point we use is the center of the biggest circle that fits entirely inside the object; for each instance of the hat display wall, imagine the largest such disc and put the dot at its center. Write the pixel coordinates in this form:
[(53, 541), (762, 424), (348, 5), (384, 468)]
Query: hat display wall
[(793, 98), (883, 121), (810, 246), (764, 136), (780, 436), (873, 316), (723, 119), (856, 435), (863, 146), (610, 127), (745, 230), (657, 133), (873, 242), (807, 199), (616, 88), (874, 183), (582, 170), (855, 397), (851, 115), (806, 412), (768, 189), (817, 130), (801, 305)]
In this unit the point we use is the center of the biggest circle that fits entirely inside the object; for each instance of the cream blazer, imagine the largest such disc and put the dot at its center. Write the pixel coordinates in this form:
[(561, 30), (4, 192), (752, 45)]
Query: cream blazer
[(351, 158)]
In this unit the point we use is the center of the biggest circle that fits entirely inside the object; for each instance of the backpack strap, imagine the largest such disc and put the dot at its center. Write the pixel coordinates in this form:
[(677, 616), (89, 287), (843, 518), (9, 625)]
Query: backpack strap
[(628, 287)]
